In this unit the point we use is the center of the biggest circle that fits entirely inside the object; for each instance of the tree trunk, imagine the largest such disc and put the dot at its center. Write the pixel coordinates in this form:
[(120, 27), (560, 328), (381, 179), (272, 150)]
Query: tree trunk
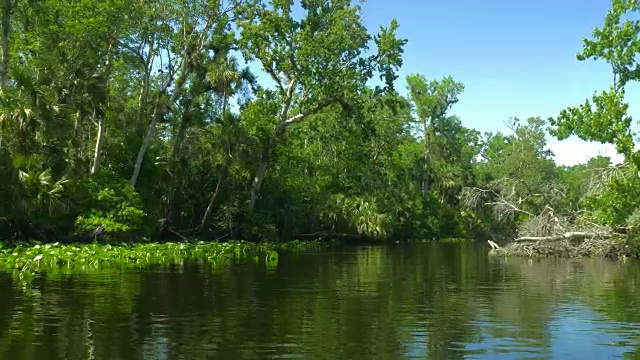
[(578, 235), (95, 167), (173, 213), (256, 184), (6, 27), (282, 125), (182, 132), (157, 112), (225, 168), (427, 156), (144, 86), (257, 180), (99, 141), (223, 176), (145, 144)]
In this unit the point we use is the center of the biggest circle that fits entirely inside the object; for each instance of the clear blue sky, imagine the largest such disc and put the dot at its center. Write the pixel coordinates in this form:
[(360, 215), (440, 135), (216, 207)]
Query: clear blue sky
[(516, 58)]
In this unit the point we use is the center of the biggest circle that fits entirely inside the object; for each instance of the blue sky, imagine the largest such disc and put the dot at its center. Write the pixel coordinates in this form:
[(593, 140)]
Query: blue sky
[(516, 58)]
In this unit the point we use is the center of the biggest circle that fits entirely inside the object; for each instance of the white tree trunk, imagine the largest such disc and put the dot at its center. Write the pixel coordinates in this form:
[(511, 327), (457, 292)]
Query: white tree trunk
[(143, 149), (95, 166), (257, 180), (97, 153), (154, 122), (216, 193)]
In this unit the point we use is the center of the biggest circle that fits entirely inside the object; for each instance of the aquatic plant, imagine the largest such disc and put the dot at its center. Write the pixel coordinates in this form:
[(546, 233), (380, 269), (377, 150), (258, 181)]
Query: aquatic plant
[(30, 258), (455, 240)]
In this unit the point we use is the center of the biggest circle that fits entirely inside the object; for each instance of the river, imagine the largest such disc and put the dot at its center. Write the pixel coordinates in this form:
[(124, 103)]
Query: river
[(422, 301)]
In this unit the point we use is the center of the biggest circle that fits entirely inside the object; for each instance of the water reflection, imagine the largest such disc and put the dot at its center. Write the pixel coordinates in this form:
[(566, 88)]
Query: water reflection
[(381, 302)]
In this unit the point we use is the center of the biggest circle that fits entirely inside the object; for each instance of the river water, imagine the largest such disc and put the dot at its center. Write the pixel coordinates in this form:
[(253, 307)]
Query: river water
[(423, 301)]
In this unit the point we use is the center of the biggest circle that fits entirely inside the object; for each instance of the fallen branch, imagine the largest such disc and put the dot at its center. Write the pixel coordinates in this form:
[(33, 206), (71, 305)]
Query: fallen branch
[(566, 236), (493, 244), (175, 232)]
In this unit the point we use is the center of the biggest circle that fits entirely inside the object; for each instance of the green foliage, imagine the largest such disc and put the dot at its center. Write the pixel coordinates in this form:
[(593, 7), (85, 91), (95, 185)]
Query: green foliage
[(605, 118), (39, 194), (360, 215), (433, 98), (607, 122), (314, 151), (618, 202), (110, 203), (27, 258)]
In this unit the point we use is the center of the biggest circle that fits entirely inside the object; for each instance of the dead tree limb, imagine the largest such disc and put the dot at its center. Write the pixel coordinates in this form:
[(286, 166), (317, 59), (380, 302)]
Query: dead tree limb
[(566, 236)]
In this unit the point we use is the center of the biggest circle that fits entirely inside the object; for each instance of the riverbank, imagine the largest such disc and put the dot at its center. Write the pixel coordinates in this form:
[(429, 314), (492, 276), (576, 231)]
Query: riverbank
[(611, 248)]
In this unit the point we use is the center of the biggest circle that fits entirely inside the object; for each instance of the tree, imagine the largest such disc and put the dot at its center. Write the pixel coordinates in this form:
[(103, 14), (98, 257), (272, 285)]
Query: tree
[(604, 119), (517, 178), (315, 62), (432, 100), (228, 80), (7, 9), (196, 27)]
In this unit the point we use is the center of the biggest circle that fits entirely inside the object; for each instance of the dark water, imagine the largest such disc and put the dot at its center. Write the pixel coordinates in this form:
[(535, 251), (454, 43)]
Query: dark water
[(437, 301)]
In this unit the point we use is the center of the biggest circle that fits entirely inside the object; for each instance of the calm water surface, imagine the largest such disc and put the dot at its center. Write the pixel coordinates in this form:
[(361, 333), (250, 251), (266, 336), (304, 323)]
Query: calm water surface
[(423, 301)]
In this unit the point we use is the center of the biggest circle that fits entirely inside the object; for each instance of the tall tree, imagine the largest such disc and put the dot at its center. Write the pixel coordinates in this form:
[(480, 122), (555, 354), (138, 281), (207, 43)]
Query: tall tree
[(432, 100), (315, 62), (228, 80), (196, 26)]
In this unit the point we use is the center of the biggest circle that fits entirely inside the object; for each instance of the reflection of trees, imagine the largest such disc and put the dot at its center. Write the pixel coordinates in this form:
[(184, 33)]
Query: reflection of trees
[(431, 300)]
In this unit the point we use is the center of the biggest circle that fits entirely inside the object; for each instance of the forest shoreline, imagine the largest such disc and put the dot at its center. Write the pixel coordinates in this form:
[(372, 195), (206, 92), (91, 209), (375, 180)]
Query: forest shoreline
[(159, 130)]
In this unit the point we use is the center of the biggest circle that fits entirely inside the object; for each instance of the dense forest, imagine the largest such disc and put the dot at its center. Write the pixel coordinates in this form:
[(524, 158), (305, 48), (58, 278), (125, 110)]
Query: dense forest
[(130, 119)]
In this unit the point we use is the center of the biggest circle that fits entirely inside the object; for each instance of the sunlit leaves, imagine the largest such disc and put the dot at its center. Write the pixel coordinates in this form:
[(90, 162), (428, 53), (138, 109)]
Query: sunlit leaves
[(604, 119), (362, 215), (432, 99), (27, 258), (617, 42), (323, 52)]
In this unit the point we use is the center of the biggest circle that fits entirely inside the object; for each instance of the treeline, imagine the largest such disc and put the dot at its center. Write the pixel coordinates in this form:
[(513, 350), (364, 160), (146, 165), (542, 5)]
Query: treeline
[(124, 119)]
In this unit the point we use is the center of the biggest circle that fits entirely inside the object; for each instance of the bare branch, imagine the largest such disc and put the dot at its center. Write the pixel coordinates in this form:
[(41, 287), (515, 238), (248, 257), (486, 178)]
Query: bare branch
[(273, 75), (301, 116), (502, 206)]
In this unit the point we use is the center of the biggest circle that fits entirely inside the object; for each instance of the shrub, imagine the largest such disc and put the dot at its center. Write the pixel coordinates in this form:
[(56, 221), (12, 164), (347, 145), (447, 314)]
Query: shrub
[(109, 202)]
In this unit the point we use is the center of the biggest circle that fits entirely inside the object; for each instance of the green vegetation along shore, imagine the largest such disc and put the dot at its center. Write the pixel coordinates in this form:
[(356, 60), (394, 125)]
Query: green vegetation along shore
[(24, 260), (239, 120)]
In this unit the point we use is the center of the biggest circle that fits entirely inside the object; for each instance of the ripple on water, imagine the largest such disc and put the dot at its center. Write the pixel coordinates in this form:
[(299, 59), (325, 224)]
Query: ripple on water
[(579, 331), (361, 303)]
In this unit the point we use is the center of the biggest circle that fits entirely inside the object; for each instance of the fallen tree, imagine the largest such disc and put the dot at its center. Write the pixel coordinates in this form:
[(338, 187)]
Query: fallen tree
[(540, 230), (571, 236)]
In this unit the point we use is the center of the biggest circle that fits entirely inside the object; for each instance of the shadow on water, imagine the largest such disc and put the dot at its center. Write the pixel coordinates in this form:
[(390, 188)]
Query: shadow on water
[(438, 301)]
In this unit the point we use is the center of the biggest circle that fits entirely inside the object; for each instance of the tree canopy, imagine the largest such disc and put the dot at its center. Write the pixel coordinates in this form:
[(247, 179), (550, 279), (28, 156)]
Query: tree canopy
[(126, 126)]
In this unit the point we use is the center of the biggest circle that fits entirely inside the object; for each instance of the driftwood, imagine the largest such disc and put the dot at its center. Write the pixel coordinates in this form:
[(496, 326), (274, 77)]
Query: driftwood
[(566, 236)]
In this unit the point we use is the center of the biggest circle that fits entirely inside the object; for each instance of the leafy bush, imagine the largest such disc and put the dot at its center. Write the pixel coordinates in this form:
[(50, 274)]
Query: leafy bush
[(617, 202), (359, 215), (108, 202)]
